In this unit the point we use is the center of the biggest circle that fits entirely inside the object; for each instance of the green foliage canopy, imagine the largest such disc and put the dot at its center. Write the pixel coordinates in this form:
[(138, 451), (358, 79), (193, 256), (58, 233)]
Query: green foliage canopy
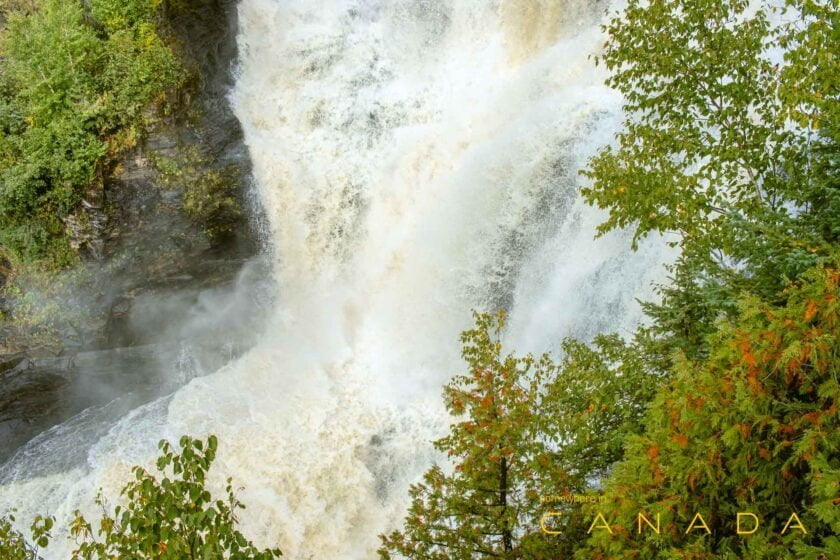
[(753, 428), (73, 88), (730, 144), (716, 126)]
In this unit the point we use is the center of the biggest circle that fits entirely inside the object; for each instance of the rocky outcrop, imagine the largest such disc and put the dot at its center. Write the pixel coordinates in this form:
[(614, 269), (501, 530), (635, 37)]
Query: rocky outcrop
[(132, 230), (145, 260)]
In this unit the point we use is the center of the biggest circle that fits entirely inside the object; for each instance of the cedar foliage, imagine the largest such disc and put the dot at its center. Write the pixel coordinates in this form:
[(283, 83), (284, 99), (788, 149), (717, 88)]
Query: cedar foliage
[(753, 428), (486, 505)]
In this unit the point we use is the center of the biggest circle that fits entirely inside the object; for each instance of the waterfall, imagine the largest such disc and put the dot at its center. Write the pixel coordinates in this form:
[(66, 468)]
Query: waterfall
[(416, 160)]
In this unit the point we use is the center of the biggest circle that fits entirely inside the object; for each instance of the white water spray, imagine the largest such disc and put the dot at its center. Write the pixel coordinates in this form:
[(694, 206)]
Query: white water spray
[(416, 160)]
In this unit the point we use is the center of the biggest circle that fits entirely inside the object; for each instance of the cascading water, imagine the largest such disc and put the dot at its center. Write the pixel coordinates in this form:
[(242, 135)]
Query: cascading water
[(416, 160)]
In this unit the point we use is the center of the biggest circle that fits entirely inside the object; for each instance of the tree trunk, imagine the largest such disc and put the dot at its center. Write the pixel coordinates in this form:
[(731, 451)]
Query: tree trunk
[(507, 540)]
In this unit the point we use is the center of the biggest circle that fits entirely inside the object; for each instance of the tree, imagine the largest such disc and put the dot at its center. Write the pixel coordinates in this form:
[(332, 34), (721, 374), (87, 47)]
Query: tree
[(487, 506), (731, 142), (726, 146), (593, 400), (753, 429), (708, 133)]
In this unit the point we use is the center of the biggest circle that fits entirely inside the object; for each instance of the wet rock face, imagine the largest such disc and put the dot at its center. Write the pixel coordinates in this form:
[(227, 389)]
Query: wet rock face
[(130, 207), (157, 341), (134, 233), (5, 270), (148, 268), (28, 396), (146, 217)]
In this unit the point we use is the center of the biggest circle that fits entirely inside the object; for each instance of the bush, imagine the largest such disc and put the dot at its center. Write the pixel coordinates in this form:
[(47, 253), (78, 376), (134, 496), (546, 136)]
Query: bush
[(73, 87), (13, 545), (170, 518)]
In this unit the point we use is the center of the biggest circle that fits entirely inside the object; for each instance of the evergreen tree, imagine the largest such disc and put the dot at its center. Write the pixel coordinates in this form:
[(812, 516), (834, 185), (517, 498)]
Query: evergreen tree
[(752, 429), (487, 506)]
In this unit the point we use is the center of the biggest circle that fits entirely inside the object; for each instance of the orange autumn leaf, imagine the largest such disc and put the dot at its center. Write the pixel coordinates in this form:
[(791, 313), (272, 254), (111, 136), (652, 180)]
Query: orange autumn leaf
[(813, 417), (810, 311), (657, 476), (787, 429)]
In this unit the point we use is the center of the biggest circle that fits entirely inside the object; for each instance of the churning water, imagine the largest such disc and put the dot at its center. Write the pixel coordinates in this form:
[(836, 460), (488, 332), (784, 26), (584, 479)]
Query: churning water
[(416, 159)]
